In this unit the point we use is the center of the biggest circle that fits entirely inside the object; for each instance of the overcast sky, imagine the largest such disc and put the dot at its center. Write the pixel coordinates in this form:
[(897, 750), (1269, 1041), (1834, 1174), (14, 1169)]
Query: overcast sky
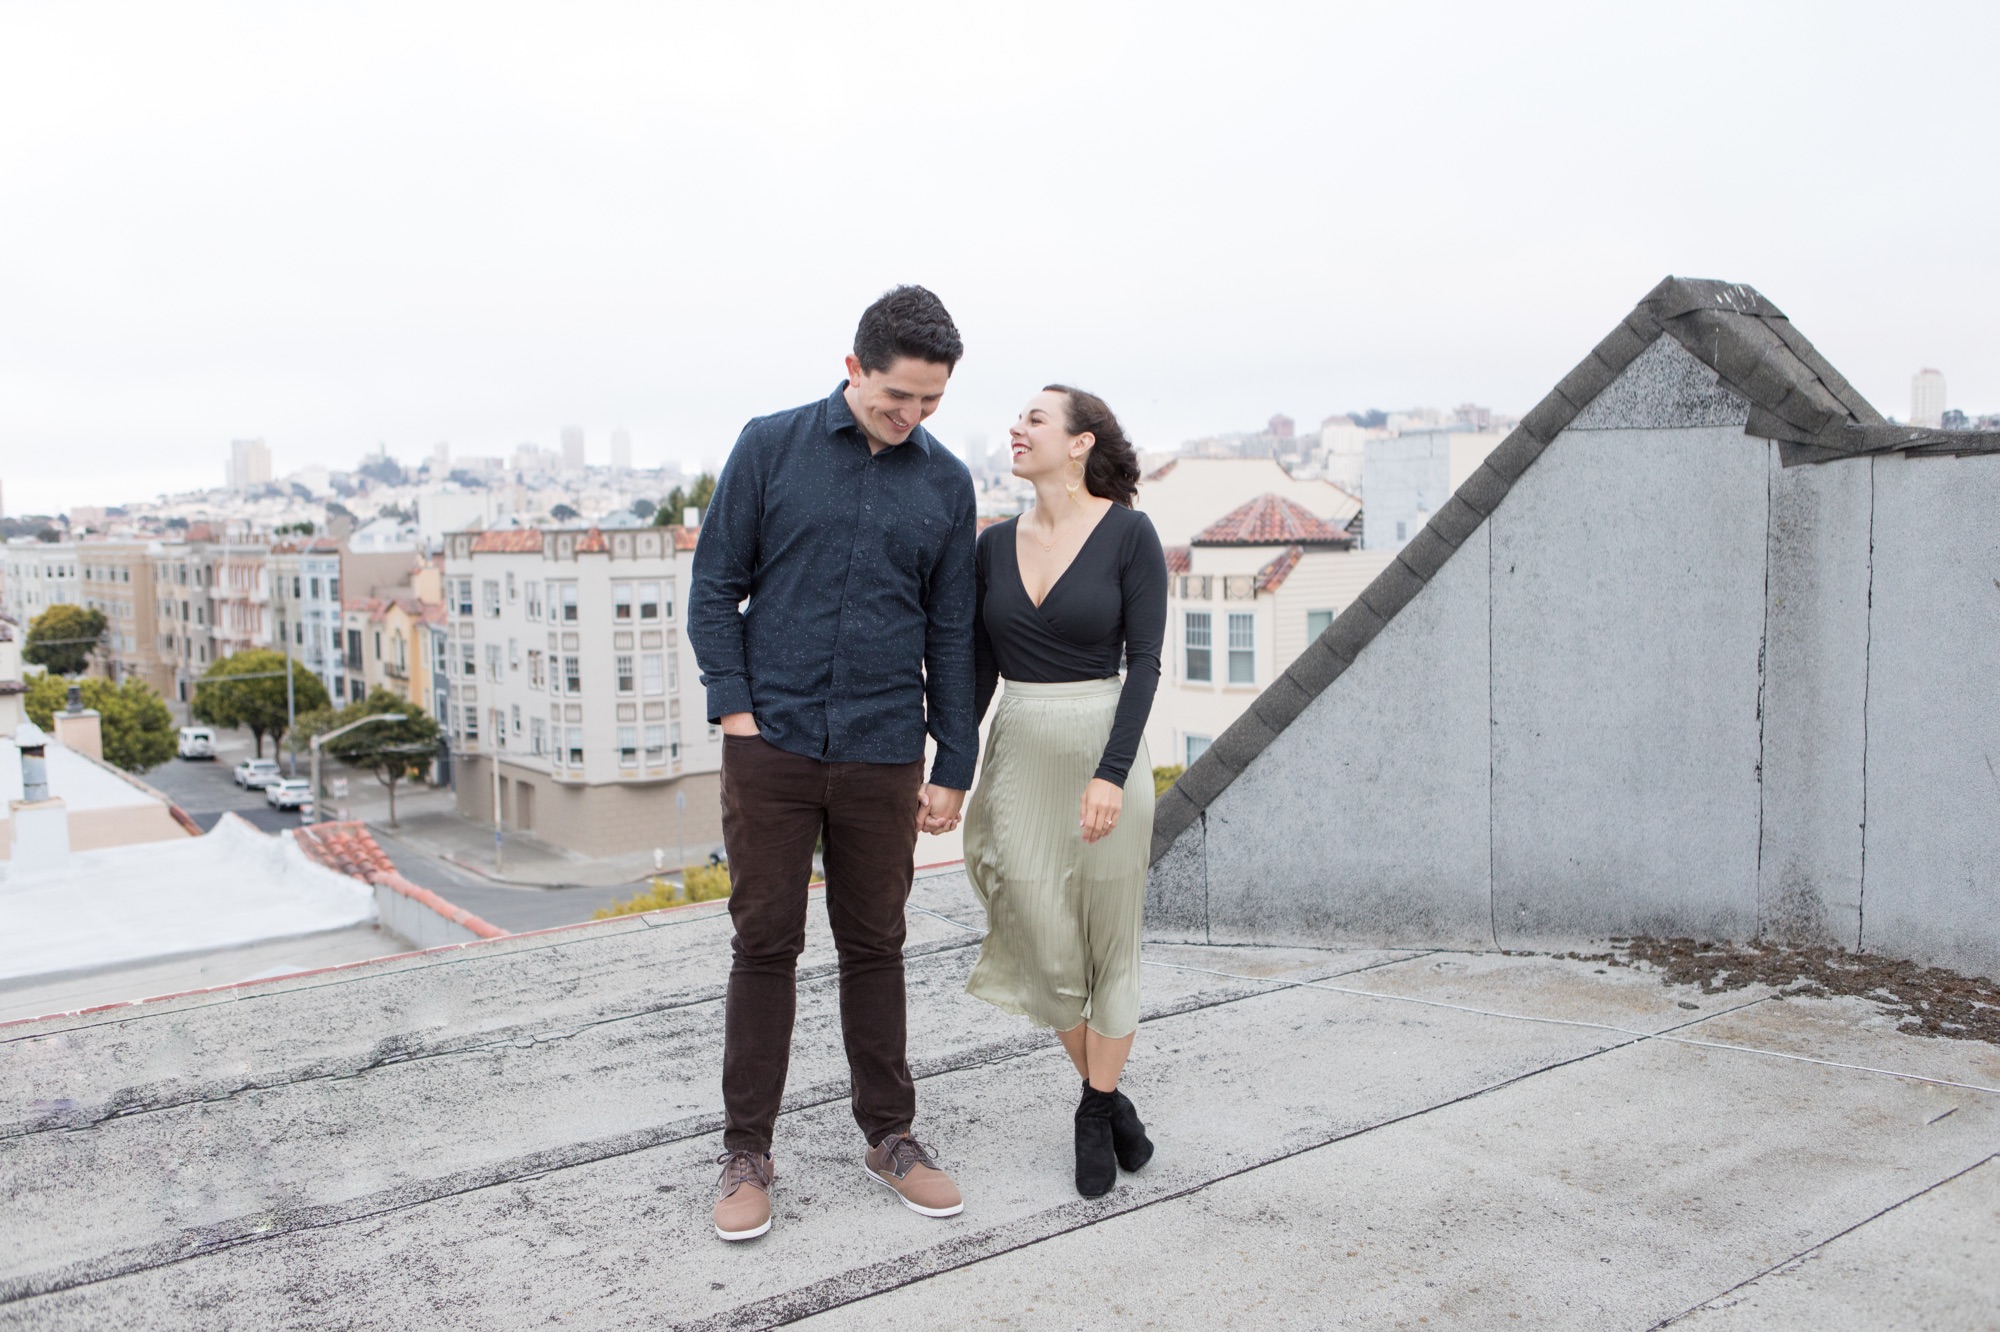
[(337, 225)]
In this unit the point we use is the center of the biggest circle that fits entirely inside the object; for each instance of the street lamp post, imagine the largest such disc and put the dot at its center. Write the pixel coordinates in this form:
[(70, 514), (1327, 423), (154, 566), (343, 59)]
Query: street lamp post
[(319, 740)]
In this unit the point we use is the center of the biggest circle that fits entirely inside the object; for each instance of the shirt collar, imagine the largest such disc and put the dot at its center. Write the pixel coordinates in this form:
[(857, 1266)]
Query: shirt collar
[(839, 417)]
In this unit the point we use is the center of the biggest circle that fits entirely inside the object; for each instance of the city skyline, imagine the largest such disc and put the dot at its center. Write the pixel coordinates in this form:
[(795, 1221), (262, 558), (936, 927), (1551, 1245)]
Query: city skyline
[(478, 226)]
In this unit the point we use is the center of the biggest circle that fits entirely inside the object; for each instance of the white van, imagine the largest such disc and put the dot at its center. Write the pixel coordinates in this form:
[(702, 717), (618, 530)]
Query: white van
[(197, 742)]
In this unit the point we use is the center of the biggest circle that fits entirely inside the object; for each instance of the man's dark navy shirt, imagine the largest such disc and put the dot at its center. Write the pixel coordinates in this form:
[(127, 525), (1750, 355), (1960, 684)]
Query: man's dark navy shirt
[(858, 570)]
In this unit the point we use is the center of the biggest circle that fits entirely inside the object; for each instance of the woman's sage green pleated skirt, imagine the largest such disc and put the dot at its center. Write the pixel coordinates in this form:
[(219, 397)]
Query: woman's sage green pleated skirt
[(1063, 918)]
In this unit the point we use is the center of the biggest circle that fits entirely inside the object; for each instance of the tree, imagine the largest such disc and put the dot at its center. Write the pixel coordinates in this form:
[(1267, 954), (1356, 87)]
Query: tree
[(137, 728), (257, 703), (62, 638), (670, 511), (562, 513), (392, 751), (643, 508)]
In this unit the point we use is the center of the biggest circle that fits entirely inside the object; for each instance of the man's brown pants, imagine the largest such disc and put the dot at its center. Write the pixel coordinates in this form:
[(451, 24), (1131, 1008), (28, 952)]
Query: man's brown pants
[(775, 806)]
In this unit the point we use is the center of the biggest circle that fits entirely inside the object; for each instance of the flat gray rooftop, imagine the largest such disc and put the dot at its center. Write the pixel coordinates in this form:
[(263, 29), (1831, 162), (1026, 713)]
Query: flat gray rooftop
[(521, 1133)]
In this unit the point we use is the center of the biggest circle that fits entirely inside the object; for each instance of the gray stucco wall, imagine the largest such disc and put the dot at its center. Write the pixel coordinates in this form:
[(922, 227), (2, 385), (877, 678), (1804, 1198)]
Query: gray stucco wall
[(1931, 882), (1628, 617), (411, 920), (1379, 788), (1816, 663), (1668, 687)]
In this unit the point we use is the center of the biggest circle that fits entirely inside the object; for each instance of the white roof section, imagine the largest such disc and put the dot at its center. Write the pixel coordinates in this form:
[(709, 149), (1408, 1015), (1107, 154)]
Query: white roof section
[(126, 904), (78, 782)]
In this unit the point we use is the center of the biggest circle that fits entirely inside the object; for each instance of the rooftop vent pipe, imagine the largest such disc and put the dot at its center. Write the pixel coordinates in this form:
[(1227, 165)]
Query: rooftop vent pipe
[(33, 744)]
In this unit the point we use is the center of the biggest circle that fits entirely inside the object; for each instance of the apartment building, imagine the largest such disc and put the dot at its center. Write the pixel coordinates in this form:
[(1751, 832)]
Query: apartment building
[(117, 580), (306, 609), (1244, 599), (182, 637), (573, 683), (239, 596), (40, 575)]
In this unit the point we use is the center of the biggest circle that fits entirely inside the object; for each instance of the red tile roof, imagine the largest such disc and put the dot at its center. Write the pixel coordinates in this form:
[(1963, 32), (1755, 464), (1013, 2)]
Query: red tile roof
[(1179, 559), (508, 541), (592, 543), (684, 537), (1160, 471), (1272, 576), (347, 848), (1272, 520)]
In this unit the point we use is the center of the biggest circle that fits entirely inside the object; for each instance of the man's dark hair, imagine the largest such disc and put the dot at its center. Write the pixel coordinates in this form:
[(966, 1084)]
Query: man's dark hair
[(906, 321)]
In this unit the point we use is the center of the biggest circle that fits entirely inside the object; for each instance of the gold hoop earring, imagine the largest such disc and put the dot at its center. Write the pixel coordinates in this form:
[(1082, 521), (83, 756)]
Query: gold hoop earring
[(1076, 464)]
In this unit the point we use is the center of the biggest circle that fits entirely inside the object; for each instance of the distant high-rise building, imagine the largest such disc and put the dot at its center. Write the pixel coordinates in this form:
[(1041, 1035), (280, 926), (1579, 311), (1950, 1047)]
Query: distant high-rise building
[(572, 448), (621, 450), (1927, 399), (249, 464), (1282, 427), (441, 455)]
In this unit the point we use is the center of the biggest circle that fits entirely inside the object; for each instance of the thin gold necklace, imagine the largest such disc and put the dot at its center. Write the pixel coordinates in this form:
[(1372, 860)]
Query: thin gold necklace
[(1050, 544)]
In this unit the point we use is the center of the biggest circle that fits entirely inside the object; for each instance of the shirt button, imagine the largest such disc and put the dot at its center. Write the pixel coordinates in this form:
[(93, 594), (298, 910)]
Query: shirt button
[(869, 507)]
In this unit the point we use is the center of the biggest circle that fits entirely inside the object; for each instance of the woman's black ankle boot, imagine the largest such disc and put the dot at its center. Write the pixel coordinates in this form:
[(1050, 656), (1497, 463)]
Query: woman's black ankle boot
[(1096, 1152), (1128, 1135)]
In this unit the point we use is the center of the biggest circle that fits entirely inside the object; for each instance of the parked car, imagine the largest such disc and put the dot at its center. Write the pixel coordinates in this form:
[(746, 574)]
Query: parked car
[(256, 774), (288, 793), (197, 742)]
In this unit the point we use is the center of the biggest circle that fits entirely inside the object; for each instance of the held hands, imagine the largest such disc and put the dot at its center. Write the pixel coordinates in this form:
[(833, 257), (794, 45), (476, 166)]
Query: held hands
[(938, 809), (1101, 804)]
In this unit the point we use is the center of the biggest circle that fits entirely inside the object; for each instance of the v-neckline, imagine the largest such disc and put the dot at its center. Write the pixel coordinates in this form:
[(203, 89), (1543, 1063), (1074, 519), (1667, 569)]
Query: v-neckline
[(1101, 519)]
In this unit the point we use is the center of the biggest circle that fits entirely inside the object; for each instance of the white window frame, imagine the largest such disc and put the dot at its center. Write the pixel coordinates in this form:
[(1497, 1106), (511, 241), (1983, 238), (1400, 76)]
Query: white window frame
[(1242, 628), (1198, 635)]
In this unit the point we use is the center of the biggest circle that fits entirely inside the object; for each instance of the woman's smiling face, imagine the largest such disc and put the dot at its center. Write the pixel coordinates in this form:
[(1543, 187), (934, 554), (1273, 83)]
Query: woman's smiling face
[(1040, 438)]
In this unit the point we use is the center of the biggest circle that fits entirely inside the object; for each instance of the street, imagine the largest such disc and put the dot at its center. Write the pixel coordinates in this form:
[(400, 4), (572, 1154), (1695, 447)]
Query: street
[(431, 831)]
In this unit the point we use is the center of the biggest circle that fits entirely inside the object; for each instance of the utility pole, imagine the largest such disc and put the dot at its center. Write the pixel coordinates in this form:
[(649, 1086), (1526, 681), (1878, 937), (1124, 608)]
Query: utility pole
[(498, 839)]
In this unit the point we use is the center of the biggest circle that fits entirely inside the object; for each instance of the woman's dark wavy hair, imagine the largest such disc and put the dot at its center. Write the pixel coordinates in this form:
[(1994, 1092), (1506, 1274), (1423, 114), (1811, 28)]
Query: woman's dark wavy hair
[(1111, 468)]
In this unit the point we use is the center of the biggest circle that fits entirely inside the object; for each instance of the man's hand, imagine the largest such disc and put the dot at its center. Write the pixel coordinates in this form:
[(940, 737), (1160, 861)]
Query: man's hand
[(739, 723), (937, 809)]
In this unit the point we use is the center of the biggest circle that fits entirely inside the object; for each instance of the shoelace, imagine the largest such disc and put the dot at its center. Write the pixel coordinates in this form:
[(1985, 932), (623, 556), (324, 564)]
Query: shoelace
[(905, 1151), (740, 1168)]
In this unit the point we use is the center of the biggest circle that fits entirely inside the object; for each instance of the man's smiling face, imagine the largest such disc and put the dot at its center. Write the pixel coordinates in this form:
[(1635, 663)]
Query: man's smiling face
[(889, 404)]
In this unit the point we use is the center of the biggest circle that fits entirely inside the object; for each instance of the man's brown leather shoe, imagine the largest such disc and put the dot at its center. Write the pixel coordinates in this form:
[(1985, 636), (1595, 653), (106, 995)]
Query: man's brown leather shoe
[(743, 1195), (901, 1163)]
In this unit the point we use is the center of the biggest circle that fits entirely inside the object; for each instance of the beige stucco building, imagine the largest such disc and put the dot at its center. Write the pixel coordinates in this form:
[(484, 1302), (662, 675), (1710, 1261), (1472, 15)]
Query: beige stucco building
[(1244, 599), (573, 676)]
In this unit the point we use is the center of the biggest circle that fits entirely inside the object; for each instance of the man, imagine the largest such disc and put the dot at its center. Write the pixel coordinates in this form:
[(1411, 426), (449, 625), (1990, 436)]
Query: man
[(849, 529)]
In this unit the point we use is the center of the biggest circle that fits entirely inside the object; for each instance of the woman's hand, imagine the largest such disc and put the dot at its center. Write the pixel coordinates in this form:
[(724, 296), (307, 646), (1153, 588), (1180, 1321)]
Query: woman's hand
[(1101, 803)]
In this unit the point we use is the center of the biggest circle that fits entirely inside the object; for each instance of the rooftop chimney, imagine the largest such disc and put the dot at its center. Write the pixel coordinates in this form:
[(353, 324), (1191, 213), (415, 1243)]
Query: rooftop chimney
[(40, 822), (690, 517), (78, 727)]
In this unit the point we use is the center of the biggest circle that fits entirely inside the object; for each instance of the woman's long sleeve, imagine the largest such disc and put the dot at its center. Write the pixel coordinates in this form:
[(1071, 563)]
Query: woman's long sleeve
[(985, 666), (1142, 582)]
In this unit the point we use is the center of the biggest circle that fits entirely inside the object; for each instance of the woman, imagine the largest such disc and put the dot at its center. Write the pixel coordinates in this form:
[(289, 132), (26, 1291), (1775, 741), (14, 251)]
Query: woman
[(1059, 828)]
